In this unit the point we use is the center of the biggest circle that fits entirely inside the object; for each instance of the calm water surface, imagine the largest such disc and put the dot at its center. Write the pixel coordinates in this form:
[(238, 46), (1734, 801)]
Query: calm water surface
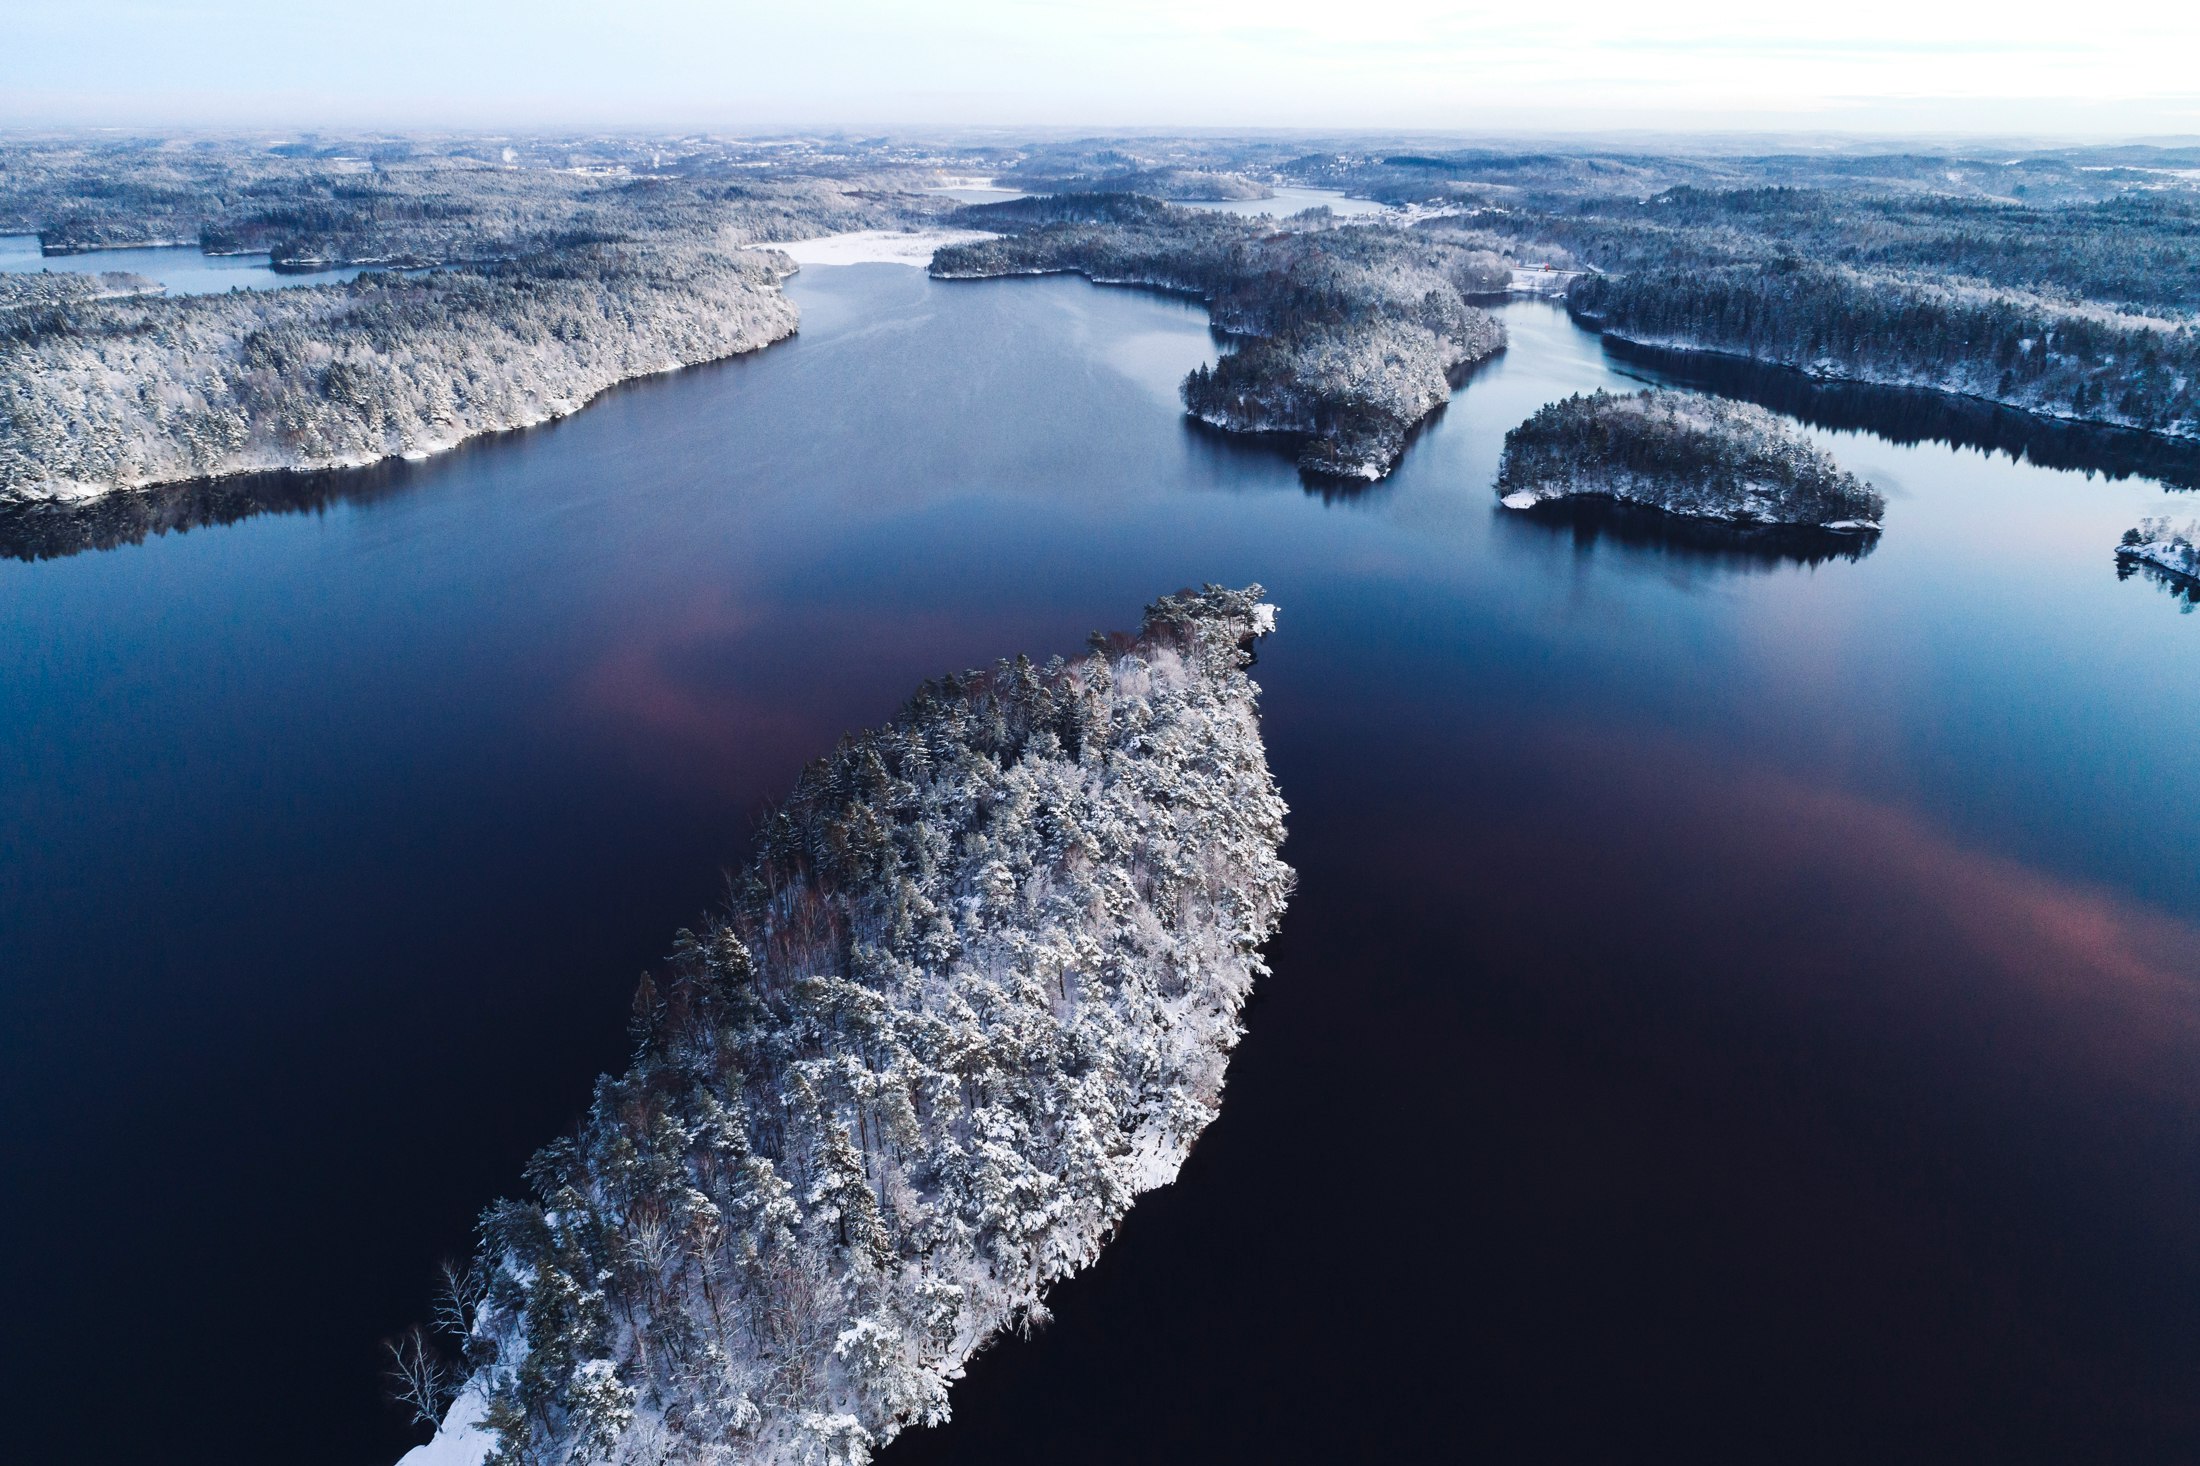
[(180, 267), (1737, 1008)]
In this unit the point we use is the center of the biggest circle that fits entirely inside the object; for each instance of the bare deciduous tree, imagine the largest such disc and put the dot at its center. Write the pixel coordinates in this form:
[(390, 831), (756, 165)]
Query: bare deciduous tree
[(418, 1378), (457, 1294)]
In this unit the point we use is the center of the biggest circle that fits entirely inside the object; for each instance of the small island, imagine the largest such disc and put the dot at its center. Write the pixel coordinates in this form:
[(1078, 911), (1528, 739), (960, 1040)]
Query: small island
[(1684, 454), (2158, 544)]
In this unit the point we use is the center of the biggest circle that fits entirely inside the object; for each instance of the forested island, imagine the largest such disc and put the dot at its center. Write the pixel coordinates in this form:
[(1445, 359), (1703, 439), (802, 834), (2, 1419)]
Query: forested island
[(1344, 337), (1686, 454), (977, 991)]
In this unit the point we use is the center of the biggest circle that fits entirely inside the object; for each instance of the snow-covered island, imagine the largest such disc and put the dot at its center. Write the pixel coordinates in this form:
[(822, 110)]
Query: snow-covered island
[(1685, 454), (976, 993), (2165, 547), (1345, 336)]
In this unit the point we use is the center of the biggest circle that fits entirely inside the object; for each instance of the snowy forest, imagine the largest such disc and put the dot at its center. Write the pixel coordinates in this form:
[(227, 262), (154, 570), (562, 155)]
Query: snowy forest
[(529, 291), (543, 270), (2015, 348), (2080, 309), (1682, 453), (977, 991), (97, 393), (1346, 337), (438, 200), (2059, 282)]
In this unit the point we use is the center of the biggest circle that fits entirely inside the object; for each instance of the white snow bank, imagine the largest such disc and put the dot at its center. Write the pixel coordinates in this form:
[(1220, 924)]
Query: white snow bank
[(876, 246), (460, 1441)]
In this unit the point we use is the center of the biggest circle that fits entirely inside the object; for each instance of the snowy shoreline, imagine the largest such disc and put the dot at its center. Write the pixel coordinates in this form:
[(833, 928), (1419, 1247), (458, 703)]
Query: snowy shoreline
[(2159, 546), (72, 493), (1818, 372), (477, 372)]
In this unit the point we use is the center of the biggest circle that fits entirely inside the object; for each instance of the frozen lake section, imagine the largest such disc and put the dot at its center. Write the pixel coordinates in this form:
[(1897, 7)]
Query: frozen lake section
[(875, 246), (976, 191), (182, 268)]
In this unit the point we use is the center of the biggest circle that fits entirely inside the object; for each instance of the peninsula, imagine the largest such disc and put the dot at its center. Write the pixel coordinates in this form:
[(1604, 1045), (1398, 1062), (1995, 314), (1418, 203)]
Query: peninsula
[(1344, 337), (510, 292)]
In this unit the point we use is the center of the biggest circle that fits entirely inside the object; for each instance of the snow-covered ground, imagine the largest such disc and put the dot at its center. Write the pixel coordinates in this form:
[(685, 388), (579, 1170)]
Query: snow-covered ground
[(1542, 281), (976, 191), (876, 246), (459, 1441), (2156, 543)]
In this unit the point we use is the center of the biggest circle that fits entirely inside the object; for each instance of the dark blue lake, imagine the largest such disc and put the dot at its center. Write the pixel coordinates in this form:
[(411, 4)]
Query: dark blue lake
[(1739, 1005)]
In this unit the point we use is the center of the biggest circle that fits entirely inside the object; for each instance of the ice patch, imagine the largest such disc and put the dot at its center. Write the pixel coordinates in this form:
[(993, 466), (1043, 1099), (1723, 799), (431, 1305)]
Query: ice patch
[(875, 246)]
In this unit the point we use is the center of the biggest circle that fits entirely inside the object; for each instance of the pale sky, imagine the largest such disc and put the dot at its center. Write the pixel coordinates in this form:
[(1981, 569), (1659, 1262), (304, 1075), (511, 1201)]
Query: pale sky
[(2014, 67)]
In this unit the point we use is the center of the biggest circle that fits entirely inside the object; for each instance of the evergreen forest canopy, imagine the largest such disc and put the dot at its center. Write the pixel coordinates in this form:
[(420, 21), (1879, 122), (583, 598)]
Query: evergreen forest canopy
[(122, 389), (977, 991)]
